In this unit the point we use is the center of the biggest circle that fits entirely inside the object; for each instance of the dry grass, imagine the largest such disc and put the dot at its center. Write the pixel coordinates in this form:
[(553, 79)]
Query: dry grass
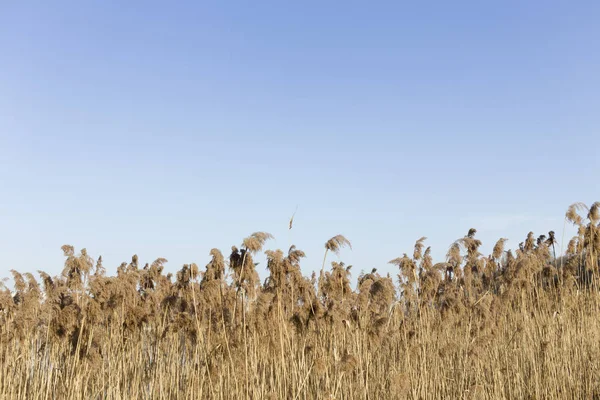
[(502, 326)]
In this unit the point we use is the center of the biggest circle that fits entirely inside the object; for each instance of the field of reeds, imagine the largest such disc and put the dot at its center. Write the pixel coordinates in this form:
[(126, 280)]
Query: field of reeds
[(509, 325)]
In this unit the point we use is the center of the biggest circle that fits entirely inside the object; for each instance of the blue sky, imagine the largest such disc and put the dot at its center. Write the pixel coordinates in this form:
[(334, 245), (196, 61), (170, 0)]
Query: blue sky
[(169, 129)]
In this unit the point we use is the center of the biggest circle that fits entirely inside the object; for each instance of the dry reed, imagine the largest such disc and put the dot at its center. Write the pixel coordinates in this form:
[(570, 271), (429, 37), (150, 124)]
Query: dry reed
[(501, 326)]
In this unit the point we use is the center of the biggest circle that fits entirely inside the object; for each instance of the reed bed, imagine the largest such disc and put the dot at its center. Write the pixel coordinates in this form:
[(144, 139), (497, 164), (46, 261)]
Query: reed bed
[(509, 325)]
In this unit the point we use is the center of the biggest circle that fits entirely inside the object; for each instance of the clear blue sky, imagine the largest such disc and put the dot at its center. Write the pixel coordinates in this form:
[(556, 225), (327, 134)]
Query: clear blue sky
[(169, 129)]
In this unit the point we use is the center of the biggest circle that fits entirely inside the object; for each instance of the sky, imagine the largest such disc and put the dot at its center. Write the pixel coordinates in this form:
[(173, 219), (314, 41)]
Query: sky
[(166, 129)]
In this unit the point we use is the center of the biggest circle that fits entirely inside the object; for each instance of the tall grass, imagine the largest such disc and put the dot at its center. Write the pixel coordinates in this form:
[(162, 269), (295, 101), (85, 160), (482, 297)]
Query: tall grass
[(504, 326)]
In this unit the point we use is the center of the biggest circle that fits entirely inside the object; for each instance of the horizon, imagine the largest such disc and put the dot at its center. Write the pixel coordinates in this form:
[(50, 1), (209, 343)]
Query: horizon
[(260, 258)]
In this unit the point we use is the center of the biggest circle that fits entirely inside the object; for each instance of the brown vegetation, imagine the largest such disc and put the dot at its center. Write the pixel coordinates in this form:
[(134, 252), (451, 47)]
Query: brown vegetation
[(508, 325)]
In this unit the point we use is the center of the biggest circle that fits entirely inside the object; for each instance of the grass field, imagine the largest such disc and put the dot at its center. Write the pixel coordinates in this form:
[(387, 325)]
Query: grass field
[(509, 325)]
